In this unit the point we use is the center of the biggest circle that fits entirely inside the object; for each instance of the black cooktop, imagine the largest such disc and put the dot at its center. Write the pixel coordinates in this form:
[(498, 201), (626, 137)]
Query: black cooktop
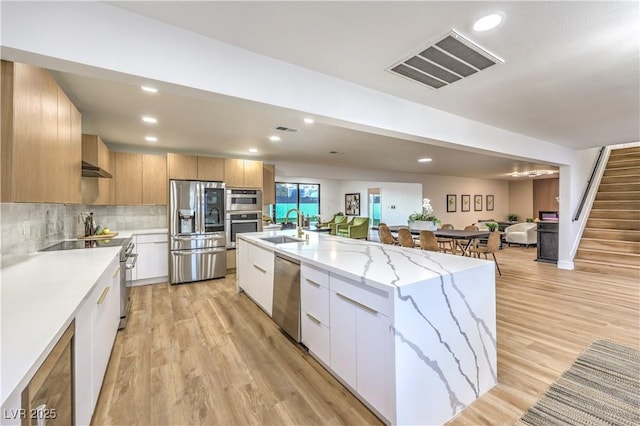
[(81, 244)]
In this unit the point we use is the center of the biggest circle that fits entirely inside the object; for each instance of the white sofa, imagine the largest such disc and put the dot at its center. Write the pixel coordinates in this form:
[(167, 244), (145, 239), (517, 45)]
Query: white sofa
[(521, 233)]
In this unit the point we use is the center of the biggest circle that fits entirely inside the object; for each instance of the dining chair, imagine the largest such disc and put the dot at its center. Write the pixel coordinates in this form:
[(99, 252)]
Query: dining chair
[(385, 236), (405, 239), (428, 241), (463, 243), (443, 242), (493, 244)]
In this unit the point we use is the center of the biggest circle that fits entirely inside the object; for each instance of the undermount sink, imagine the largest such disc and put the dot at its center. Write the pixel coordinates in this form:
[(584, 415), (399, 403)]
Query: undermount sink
[(281, 239)]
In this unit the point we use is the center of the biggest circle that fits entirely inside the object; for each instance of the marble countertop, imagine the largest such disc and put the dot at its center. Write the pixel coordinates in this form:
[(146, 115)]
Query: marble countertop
[(41, 294), (380, 264)]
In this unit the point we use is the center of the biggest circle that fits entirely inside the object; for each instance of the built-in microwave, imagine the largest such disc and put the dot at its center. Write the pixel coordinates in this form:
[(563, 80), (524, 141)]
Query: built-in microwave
[(244, 200)]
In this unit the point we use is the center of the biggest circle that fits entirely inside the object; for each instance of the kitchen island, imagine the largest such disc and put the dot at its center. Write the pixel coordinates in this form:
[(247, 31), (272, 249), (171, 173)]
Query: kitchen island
[(412, 333)]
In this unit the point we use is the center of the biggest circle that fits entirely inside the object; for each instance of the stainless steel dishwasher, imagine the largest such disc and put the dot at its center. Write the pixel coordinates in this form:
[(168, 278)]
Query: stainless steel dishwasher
[(286, 295)]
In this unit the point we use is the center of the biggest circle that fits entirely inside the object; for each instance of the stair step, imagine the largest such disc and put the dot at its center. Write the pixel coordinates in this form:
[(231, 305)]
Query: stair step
[(615, 214), (619, 187), (621, 171), (628, 259), (611, 234), (630, 247), (618, 196), (607, 268), (623, 161), (616, 205), (623, 224), (621, 179), (625, 151)]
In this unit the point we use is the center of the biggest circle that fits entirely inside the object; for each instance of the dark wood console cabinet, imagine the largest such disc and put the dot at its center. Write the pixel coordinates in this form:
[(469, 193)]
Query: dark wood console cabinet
[(548, 242)]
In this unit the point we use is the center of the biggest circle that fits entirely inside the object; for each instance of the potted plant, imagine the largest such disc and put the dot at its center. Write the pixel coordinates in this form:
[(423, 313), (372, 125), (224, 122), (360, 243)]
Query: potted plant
[(492, 226), (424, 220), (529, 219), (512, 217)]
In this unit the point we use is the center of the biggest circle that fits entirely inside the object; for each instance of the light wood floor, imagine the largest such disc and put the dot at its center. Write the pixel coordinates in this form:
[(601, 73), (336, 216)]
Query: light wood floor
[(201, 354)]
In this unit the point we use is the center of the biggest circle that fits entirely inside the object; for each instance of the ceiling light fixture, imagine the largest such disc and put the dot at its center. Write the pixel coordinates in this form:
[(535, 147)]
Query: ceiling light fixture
[(150, 120), (308, 120), (149, 89), (274, 138), (151, 139), (533, 173), (488, 22), (425, 160), (253, 150)]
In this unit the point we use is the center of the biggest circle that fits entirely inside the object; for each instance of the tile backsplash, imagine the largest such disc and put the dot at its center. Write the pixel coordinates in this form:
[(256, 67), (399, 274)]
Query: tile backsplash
[(26, 227)]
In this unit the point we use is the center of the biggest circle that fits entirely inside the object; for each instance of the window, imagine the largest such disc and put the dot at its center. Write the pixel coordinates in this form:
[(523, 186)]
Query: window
[(302, 196)]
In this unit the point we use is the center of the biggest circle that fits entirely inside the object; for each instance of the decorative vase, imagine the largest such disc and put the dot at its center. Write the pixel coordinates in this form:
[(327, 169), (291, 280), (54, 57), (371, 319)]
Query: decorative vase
[(423, 225)]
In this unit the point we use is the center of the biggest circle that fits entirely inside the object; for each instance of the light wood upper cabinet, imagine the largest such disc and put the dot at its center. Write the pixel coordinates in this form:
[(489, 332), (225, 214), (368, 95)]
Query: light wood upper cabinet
[(211, 168), (268, 184), (182, 166), (128, 178), (154, 179), (38, 138), (75, 177), (98, 191), (242, 173)]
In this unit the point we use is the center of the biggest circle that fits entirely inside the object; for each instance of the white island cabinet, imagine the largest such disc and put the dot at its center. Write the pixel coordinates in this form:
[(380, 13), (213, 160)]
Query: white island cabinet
[(96, 327), (411, 333), (256, 275)]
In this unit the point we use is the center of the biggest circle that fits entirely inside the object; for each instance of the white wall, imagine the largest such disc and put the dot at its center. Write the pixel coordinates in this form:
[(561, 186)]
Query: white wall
[(397, 200)]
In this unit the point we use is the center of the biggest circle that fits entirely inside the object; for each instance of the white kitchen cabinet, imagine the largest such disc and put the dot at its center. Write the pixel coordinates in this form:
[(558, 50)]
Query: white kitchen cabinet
[(153, 263), (96, 327), (314, 306), (256, 278), (364, 338)]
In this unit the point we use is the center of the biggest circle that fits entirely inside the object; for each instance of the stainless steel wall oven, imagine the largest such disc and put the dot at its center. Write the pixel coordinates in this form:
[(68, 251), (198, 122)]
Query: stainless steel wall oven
[(239, 222)]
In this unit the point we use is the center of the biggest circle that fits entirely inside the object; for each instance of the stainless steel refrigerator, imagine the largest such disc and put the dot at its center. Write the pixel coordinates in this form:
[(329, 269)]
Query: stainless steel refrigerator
[(197, 246)]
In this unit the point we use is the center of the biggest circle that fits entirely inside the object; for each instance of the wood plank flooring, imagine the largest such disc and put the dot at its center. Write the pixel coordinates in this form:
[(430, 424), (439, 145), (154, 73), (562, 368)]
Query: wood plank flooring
[(201, 354)]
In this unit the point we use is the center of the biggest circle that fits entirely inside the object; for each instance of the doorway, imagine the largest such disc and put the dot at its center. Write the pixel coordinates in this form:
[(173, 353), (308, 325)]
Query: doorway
[(373, 197)]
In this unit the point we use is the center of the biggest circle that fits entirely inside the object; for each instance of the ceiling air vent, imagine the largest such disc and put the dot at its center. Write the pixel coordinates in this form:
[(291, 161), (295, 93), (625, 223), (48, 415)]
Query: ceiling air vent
[(446, 61), (286, 129)]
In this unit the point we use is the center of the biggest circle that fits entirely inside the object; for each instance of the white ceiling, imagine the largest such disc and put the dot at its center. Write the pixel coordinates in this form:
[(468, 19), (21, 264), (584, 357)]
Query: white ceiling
[(570, 77)]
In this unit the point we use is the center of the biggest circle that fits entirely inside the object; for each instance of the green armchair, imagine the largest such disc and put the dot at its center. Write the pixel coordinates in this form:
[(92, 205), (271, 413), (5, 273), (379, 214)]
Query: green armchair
[(357, 228), (332, 220), (338, 220)]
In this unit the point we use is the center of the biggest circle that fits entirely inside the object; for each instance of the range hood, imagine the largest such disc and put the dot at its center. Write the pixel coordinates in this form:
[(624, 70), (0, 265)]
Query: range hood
[(89, 170)]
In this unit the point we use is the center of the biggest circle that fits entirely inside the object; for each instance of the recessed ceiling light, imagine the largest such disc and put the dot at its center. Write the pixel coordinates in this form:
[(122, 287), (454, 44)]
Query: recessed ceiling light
[(253, 150), (308, 120), (150, 120), (425, 160), (274, 138), (149, 89), (488, 22), (151, 139)]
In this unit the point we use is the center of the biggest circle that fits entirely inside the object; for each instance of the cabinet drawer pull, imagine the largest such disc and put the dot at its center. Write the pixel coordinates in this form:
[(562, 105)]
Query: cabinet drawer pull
[(259, 268), (312, 282), (103, 295), (312, 318), (366, 308)]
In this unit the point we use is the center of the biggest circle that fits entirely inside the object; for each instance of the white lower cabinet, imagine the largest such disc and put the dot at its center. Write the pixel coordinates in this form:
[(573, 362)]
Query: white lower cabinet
[(361, 342), (96, 327), (256, 276), (314, 310), (153, 262)]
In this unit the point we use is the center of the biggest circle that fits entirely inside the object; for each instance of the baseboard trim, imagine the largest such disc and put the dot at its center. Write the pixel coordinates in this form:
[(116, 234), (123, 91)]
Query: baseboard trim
[(566, 264), (155, 280)]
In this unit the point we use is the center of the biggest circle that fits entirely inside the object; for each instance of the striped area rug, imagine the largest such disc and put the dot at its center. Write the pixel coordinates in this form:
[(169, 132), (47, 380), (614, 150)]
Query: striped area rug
[(602, 387)]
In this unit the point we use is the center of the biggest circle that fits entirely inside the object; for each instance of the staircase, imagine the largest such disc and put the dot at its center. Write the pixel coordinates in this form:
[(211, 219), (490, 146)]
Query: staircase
[(610, 243)]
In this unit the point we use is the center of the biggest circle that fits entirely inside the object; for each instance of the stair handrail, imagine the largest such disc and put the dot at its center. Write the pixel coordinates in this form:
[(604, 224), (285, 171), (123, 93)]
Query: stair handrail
[(589, 182)]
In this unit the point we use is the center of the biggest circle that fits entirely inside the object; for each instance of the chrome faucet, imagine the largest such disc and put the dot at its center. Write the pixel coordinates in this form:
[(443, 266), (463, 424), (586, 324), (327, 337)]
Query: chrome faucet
[(300, 215)]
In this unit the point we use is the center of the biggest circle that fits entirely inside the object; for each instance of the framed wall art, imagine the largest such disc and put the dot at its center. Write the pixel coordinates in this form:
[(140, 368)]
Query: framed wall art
[(451, 203), (352, 204), (477, 203), (489, 203), (465, 201)]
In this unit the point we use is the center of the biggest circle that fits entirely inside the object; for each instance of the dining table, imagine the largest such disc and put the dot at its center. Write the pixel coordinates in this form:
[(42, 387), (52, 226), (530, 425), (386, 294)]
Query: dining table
[(455, 234)]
